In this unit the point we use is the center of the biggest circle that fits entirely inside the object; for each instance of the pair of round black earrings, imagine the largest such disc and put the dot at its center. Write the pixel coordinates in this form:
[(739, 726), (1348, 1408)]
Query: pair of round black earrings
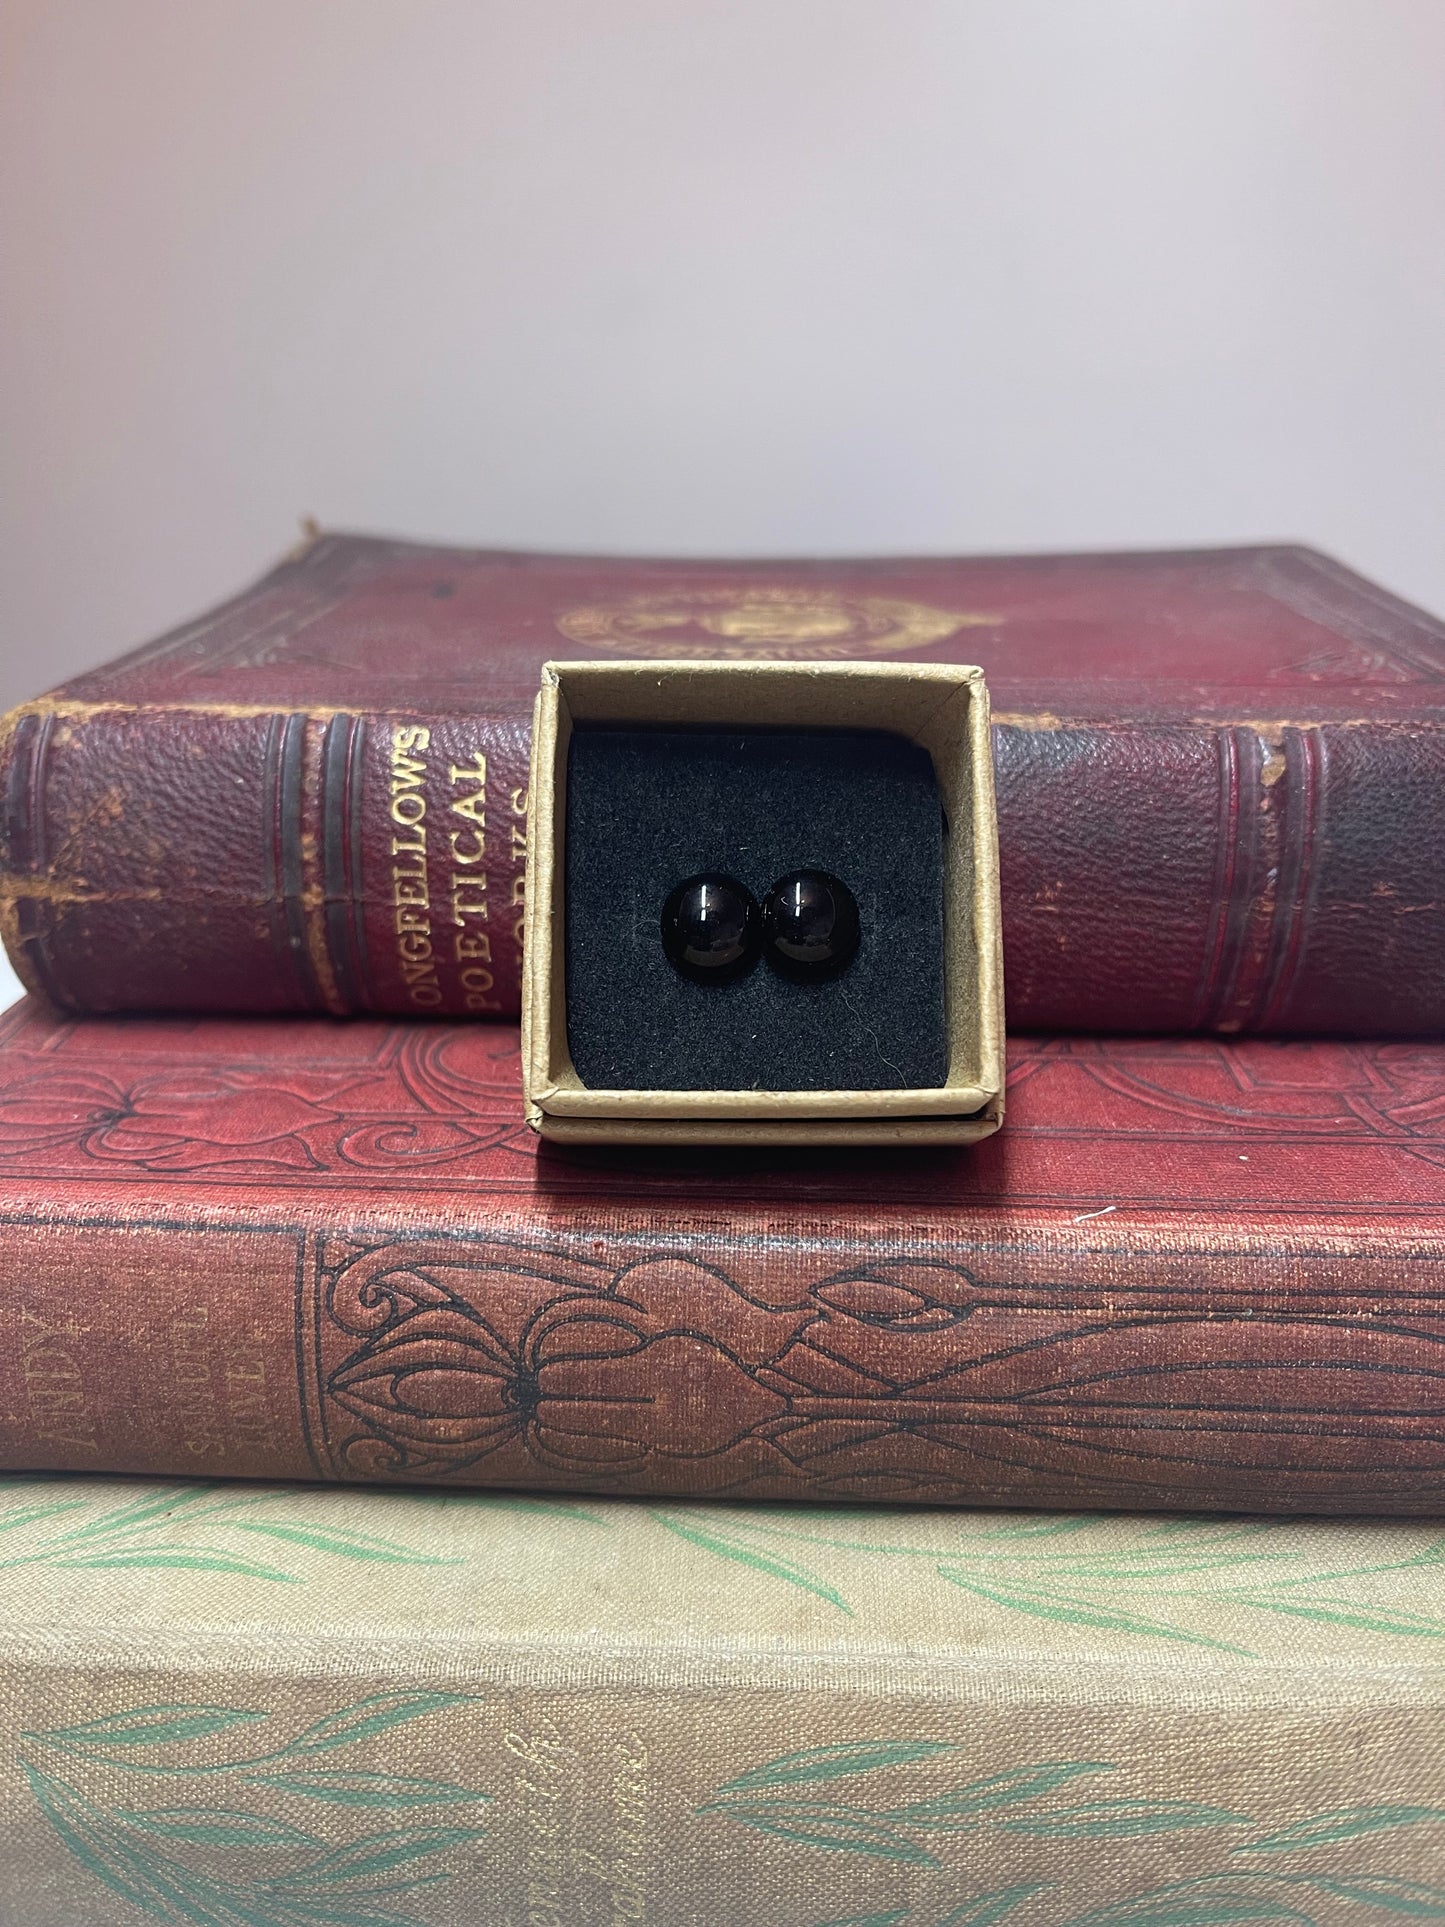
[(714, 932)]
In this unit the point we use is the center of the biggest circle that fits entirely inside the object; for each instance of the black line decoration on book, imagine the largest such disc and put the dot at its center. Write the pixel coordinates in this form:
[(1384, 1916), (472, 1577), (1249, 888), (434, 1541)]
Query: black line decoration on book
[(514, 1361)]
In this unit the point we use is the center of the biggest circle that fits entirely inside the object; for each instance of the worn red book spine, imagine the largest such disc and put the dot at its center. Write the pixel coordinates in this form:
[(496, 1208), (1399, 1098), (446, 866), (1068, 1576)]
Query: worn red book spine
[(1190, 1273), (1218, 776), (190, 859)]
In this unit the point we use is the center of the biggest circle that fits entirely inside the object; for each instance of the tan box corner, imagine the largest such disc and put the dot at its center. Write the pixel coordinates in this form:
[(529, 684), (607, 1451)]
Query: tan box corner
[(943, 707)]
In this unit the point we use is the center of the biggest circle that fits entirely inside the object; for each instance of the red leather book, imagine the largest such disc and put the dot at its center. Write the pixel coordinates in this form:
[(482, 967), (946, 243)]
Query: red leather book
[(1190, 1273), (1219, 779)]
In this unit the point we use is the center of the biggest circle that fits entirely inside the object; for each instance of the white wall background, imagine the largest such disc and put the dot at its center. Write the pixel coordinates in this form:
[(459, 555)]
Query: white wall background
[(710, 275)]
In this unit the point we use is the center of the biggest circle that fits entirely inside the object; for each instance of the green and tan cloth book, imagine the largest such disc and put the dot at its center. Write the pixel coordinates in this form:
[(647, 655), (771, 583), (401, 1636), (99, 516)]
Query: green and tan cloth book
[(243, 1706)]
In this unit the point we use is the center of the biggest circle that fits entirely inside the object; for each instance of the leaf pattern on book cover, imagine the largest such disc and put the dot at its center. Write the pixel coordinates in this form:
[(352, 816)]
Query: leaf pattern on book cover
[(205, 1858), (1024, 1802), (1344, 1823), (820, 1763), (1125, 1819), (222, 1815), (1157, 1580), (191, 1526)]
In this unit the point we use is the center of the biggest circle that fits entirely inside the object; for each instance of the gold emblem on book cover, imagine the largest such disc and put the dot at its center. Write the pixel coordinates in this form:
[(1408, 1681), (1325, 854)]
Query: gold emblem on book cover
[(761, 622)]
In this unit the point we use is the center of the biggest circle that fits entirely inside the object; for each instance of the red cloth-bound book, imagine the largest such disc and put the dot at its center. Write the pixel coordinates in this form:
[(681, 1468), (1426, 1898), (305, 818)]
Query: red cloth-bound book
[(1219, 779), (1189, 1274)]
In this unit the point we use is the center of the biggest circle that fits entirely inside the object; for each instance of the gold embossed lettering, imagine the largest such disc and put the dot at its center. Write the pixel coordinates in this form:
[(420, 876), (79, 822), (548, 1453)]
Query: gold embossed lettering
[(410, 889), (190, 1385), (53, 1384), (542, 1761), (248, 1409)]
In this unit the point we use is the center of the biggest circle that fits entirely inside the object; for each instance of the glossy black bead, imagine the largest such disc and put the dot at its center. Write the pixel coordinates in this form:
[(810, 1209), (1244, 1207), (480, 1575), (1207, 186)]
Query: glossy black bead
[(810, 925), (711, 930)]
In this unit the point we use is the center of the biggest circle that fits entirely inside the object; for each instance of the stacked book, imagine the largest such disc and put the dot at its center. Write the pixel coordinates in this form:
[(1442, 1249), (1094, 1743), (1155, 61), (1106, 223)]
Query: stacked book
[(1062, 1631)]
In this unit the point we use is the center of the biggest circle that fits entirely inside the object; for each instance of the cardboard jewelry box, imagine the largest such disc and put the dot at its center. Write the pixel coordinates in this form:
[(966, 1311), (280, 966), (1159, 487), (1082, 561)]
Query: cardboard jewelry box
[(943, 707)]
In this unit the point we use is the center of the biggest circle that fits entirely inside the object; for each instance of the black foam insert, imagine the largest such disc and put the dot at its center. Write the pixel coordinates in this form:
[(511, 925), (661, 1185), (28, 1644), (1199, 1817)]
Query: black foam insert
[(647, 807)]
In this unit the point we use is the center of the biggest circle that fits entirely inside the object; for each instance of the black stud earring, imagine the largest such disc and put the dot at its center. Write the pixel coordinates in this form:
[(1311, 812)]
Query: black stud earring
[(810, 925), (711, 929)]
